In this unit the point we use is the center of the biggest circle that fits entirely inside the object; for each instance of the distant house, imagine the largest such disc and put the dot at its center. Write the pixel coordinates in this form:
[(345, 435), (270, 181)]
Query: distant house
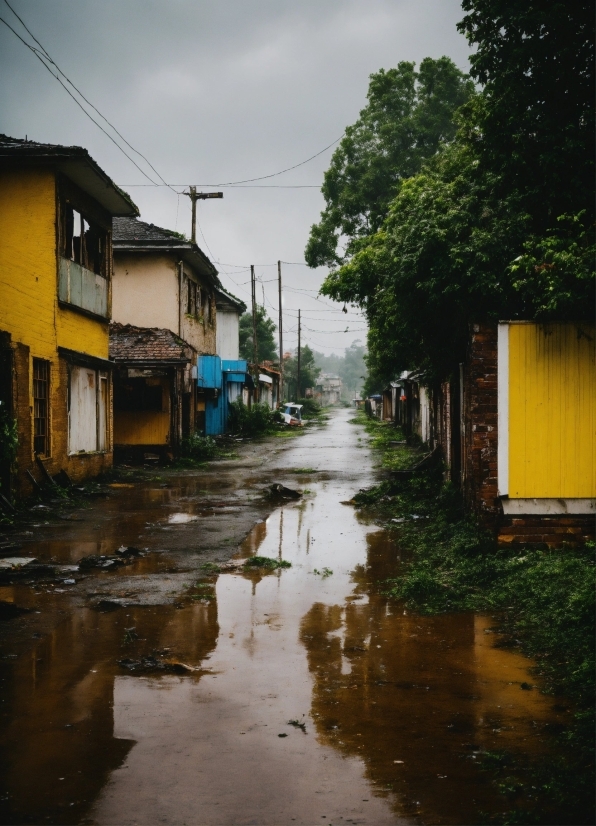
[(162, 281), (56, 211), (227, 338), (328, 389), (269, 385), (152, 376)]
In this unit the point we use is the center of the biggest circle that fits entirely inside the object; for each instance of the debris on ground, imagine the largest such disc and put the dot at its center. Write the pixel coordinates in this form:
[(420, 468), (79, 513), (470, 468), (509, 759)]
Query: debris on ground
[(156, 662), (281, 492), (123, 556)]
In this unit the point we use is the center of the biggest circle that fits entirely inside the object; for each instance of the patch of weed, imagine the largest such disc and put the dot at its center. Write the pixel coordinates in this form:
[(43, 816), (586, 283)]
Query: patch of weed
[(266, 562), (324, 573)]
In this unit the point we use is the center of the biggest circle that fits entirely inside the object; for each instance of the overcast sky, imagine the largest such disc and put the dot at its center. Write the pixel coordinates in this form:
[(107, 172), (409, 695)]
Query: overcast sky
[(222, 90)]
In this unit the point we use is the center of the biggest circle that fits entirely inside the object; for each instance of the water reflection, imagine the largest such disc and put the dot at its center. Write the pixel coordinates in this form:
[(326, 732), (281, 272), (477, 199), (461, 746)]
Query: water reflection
[(417, 697), (57, 736)]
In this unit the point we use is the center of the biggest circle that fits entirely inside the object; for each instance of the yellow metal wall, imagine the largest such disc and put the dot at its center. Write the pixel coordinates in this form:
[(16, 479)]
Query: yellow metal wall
[(552, 411)]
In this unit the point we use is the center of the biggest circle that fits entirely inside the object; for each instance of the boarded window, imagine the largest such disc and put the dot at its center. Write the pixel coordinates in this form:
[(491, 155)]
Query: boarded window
[(41, 407), (88, 410)]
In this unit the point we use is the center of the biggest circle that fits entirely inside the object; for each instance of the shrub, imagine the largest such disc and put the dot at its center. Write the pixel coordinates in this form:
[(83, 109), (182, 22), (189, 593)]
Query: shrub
[(253, 421), (197, 447)]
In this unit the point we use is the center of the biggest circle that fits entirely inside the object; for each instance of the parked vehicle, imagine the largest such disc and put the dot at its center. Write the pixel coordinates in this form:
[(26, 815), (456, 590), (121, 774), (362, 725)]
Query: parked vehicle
[(292, 414)]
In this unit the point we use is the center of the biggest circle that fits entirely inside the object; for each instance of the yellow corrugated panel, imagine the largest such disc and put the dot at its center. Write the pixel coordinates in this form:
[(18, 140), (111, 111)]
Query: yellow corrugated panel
[(142, 428), (552, 411)]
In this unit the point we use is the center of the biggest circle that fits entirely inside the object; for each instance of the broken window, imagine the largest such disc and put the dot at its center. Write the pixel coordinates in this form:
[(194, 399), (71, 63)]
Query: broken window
[(87, 410), (84, 241), (191, 297), (138, 394), (41, 407)]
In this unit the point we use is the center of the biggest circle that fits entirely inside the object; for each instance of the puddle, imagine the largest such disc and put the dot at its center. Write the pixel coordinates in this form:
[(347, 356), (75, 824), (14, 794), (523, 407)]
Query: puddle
[(317, 699)]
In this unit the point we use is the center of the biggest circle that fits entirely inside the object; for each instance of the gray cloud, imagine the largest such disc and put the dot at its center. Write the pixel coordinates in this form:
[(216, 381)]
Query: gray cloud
[(218, 91)]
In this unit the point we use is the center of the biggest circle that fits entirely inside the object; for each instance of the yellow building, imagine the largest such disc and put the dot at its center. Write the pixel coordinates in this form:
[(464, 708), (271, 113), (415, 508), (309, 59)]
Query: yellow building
[(56, 210)]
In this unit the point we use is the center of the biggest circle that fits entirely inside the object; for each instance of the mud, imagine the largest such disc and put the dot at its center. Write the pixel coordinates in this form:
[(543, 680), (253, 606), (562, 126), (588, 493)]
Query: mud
[(181, 689)]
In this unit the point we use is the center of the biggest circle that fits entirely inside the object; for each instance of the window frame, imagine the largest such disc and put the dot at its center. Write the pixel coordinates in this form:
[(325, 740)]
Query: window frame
[(41, 401)]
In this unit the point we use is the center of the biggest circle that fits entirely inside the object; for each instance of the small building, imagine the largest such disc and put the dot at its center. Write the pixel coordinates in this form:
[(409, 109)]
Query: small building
[(516, 427), (153, 375), (269, 385), (165, 282), (222, 382), (56, 211)]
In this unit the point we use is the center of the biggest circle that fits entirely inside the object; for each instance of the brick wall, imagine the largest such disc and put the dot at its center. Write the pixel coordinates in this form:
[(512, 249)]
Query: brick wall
[(480, 431)]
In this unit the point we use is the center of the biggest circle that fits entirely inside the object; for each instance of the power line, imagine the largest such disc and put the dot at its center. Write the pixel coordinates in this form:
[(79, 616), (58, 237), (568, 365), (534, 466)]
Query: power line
[(235, 186), (273, 174), (45, 55)]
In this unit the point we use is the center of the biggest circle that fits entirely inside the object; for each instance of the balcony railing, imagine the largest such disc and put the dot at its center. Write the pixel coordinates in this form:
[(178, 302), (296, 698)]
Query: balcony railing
[(82, 288)]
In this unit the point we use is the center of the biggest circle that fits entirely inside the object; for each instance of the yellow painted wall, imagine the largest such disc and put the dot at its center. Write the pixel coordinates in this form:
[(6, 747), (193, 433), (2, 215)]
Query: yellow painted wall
[(141, 428), (552, 411), (29, 309), (28, 278)]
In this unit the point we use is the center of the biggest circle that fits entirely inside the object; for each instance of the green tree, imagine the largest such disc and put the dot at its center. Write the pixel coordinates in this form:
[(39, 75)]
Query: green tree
[(266, 329), (309, 373), (533, 125), (409, 116)]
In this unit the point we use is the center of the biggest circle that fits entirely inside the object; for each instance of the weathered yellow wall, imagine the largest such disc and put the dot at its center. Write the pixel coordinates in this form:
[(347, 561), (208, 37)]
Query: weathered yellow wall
[(29, 312), (142, 428), (552, 411), (28, 276)]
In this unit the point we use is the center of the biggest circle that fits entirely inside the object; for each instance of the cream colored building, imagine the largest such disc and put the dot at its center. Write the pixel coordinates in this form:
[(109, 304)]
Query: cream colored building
[(162, 282)]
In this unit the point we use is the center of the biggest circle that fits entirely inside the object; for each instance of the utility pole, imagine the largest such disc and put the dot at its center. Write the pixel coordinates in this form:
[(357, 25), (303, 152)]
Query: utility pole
[(255, 352), (298, 371), (281, 337), (194, 197)]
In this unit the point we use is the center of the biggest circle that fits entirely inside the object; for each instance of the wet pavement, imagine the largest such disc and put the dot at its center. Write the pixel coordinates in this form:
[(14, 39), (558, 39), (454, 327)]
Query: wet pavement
[(300, 695)]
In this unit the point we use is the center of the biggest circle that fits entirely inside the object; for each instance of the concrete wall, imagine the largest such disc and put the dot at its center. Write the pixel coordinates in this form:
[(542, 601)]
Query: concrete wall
[(146, 293), (227, 339)]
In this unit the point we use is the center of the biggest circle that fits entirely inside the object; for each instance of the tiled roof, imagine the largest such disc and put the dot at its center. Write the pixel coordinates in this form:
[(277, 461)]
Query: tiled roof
[(147, 344), (24, 146), (130, 229), (74, 162)]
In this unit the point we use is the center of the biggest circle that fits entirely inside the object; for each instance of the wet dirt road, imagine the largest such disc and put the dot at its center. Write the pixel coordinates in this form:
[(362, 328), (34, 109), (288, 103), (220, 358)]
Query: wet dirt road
[(313, 699)]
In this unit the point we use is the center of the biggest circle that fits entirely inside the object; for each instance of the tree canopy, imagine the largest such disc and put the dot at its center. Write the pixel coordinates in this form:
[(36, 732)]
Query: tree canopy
[(266, 345), (409, 115), (487, 228)]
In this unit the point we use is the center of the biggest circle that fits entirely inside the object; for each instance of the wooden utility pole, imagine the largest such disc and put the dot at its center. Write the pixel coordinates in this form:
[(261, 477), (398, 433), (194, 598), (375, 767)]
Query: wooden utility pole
[(298, 396), (194, 197), (255, 351), (281, 337)]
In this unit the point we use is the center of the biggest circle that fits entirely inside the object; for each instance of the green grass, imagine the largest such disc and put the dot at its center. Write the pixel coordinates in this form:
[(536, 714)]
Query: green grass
[(304, 470)]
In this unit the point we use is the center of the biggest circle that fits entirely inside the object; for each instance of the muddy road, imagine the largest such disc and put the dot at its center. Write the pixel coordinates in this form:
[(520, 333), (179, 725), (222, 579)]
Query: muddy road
[(161, 692)]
